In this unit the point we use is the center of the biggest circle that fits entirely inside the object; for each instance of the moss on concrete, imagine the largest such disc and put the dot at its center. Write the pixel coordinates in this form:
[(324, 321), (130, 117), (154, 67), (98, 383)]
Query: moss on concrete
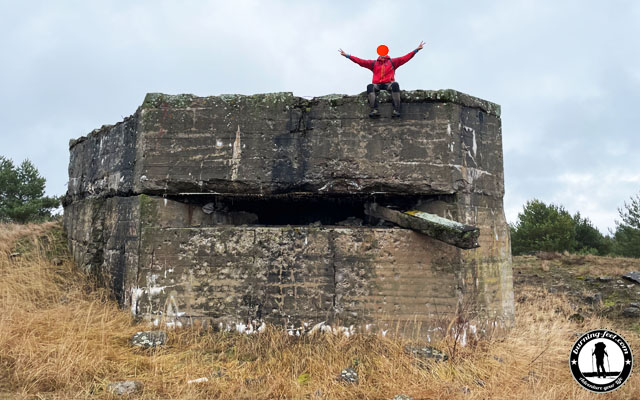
[(148, 209), (156, 100)]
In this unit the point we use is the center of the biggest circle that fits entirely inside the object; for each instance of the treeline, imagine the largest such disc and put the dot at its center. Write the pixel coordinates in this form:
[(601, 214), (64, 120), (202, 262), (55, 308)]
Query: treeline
[(542, 227)]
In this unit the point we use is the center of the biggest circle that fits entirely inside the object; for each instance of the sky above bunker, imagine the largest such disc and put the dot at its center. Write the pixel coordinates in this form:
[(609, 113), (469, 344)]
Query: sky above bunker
[(567, 75)]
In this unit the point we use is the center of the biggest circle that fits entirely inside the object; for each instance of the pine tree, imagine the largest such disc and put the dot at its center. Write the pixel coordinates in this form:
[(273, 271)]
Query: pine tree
[(627, 234), (543, 228), (589, 239), (22, 196)]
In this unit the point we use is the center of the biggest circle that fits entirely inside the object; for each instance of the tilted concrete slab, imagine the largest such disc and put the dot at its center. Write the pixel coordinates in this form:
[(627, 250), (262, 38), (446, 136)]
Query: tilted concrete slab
[(439, 228)]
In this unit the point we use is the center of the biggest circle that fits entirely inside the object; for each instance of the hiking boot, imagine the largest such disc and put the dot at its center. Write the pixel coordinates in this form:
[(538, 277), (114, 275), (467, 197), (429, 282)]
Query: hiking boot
[(395, 114), (374, 113)]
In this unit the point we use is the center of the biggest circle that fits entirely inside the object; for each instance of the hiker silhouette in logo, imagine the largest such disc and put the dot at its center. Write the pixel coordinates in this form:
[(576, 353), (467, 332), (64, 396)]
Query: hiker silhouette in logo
[(600, 352), (384, 68)]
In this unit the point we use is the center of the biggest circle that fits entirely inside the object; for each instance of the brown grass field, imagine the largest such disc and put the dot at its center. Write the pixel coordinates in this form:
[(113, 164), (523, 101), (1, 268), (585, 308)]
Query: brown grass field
[(62, 339)]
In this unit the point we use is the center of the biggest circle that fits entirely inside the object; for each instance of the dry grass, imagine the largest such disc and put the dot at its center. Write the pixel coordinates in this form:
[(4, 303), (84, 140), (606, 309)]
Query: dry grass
[(581, 264), (59, 338)]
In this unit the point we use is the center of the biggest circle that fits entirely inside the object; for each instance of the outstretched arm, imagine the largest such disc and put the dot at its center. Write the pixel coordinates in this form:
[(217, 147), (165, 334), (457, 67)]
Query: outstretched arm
[(397, 62), (368, 64)]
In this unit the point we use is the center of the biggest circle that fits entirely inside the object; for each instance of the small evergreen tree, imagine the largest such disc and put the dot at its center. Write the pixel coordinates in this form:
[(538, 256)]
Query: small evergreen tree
[(627, 234), (543, 228), (22, 193)]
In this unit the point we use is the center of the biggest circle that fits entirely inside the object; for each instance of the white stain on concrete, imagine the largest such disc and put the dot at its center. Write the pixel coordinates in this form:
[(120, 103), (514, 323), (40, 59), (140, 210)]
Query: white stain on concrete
[(135, 295), (241, 327), (471, 174), (474, 144), (235, 158)]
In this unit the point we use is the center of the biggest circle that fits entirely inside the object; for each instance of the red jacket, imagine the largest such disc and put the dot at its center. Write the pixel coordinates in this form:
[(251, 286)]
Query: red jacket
[(383, 68)]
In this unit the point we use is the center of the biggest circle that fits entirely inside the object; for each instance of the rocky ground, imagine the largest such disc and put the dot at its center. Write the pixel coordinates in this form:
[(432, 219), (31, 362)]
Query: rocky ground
[(595, 286)]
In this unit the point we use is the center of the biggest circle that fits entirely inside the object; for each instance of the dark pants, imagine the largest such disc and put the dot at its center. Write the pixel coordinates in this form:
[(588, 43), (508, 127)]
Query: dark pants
[(600, 367), (393, 87)]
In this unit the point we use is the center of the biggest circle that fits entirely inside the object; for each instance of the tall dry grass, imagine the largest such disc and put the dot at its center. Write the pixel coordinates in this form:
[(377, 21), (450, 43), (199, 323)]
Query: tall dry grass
[(61, 338)]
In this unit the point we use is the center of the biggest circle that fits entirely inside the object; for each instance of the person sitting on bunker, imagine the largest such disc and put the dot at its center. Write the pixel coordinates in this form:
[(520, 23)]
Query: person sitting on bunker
[(384, 68)]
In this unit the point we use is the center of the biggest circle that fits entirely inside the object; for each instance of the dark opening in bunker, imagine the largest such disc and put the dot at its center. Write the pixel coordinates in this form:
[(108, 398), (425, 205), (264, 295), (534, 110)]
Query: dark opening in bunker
[(304, 209)]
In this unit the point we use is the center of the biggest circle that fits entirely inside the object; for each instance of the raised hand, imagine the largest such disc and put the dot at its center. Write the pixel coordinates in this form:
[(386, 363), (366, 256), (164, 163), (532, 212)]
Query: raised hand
[(421, 45), (342, 53)]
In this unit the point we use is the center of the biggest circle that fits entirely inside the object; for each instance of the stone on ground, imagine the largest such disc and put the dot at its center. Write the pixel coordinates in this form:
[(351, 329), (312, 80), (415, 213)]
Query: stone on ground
[(426, 353), (631, 311), (147, 339), (632, 276), (348, 375), (122, 388)]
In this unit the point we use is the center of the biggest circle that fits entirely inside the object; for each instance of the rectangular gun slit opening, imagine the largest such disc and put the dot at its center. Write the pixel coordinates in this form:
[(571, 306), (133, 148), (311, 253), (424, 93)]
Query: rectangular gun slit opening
[(302, 208)]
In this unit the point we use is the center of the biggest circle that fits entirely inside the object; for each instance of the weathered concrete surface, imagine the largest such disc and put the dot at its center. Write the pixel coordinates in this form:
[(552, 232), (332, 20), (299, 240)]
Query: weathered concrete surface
[(200, 252), (103, 237), (277, 143), (103, 162), (297, 276)]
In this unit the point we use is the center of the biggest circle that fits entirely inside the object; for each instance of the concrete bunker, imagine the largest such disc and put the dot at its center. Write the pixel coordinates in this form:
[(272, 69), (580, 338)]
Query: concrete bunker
[(244, 210)]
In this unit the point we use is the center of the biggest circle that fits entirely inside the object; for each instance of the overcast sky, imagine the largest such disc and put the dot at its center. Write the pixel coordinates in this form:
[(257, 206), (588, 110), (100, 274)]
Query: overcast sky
[(566, 73)]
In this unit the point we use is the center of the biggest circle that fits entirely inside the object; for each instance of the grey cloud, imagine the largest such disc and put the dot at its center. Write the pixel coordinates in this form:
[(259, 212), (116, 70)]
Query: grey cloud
[(566, 74)]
